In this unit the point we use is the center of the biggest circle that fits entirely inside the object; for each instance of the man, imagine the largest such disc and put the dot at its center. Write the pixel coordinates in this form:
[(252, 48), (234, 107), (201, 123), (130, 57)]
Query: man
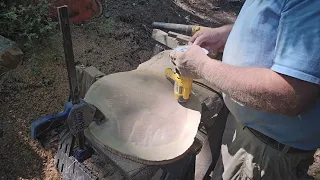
[(270, 76)]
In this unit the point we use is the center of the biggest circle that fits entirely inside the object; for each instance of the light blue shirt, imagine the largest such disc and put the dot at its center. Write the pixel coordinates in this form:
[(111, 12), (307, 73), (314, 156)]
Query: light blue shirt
[(284, 36)]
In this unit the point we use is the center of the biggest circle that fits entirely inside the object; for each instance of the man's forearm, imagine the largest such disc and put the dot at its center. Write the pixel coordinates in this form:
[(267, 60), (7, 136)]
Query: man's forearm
[(260, 88)]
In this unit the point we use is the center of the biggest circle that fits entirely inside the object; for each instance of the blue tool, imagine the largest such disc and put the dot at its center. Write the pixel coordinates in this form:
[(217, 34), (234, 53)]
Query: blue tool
[(41, 127), (77, 114)]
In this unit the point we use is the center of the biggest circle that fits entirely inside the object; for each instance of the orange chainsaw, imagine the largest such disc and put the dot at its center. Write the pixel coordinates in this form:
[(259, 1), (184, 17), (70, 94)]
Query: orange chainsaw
[(79, 10)]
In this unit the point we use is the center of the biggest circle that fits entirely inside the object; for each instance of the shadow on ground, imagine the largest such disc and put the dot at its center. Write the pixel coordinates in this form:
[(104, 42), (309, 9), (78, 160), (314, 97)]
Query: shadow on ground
[(35, 88), (18, 159)]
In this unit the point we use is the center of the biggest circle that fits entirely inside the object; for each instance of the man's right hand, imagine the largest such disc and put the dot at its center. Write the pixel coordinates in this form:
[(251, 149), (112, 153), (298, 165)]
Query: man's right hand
[(212, 39)]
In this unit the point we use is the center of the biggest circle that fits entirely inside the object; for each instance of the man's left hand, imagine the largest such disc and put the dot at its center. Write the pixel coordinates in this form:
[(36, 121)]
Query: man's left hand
[(190, 63)]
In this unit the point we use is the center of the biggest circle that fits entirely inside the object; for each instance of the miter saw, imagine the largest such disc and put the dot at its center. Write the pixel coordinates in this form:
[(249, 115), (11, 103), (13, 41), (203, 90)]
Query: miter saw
[(81, 156)]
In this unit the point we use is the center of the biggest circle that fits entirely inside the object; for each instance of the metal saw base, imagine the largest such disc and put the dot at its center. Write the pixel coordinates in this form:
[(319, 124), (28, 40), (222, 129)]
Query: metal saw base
[(66, 164), (106, 165)]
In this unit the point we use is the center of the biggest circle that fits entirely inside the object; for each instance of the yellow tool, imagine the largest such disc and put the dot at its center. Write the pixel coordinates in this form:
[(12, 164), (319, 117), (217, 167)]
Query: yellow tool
[(197, 28), (182, 85)]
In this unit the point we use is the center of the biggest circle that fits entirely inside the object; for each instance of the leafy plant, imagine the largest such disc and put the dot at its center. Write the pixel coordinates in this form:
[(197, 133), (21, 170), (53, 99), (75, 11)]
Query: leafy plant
[(26, 22), (108, 25)]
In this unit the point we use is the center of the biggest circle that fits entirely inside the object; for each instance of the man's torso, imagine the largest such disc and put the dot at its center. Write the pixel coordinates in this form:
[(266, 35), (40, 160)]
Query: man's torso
[(252, 42)]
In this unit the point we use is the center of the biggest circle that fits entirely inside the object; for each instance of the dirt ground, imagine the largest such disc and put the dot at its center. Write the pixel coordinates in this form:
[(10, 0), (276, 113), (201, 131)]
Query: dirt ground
[(117, 41)]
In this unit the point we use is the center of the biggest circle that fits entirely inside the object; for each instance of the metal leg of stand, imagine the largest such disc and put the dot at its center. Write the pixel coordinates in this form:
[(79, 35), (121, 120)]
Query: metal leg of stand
[(183, 169), (66, 164), (191, 170), (215, 138)]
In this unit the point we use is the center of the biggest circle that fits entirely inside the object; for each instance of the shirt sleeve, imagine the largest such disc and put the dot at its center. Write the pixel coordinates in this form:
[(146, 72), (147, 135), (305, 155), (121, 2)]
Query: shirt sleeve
[(297, 52)]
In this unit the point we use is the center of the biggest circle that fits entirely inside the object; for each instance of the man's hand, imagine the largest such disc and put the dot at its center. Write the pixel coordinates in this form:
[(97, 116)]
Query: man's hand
[(212, 39), (190, 63)]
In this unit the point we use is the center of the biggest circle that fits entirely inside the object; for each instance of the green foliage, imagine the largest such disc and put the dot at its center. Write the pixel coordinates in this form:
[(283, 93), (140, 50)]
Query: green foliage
[(36, 69), (26, 22), (108, 25)]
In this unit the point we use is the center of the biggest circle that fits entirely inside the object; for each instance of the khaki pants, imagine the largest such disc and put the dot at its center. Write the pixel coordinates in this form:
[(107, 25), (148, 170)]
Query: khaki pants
[(244, 157)]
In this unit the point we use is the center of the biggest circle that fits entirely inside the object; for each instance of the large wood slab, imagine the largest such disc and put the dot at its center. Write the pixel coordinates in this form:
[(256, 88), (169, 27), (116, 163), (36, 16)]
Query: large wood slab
[(144, 120)]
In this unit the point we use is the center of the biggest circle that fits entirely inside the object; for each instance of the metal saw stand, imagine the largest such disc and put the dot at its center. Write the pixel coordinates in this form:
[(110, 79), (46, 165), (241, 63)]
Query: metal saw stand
[(116, 167), (202, 154), (112, 166), (102, 163), (119, 168)]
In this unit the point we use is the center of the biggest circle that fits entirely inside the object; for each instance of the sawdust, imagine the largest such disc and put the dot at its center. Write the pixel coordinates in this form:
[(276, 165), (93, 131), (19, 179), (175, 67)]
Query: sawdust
[(118, 42), (27, 94)]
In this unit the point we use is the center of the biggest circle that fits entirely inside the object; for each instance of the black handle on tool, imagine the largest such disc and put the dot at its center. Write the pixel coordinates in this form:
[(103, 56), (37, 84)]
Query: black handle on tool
[(68, 52), (69, 56)]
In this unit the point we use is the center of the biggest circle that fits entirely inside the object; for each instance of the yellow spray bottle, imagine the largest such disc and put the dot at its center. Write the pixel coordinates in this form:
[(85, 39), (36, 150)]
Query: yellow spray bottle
[(182, 85)]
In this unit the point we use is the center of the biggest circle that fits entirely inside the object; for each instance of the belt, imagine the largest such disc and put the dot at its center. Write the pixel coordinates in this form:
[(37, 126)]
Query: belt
[(275, 144)]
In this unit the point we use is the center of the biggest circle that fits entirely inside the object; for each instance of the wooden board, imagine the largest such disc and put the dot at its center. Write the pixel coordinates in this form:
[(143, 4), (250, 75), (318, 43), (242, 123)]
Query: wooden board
[(144, 119)]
